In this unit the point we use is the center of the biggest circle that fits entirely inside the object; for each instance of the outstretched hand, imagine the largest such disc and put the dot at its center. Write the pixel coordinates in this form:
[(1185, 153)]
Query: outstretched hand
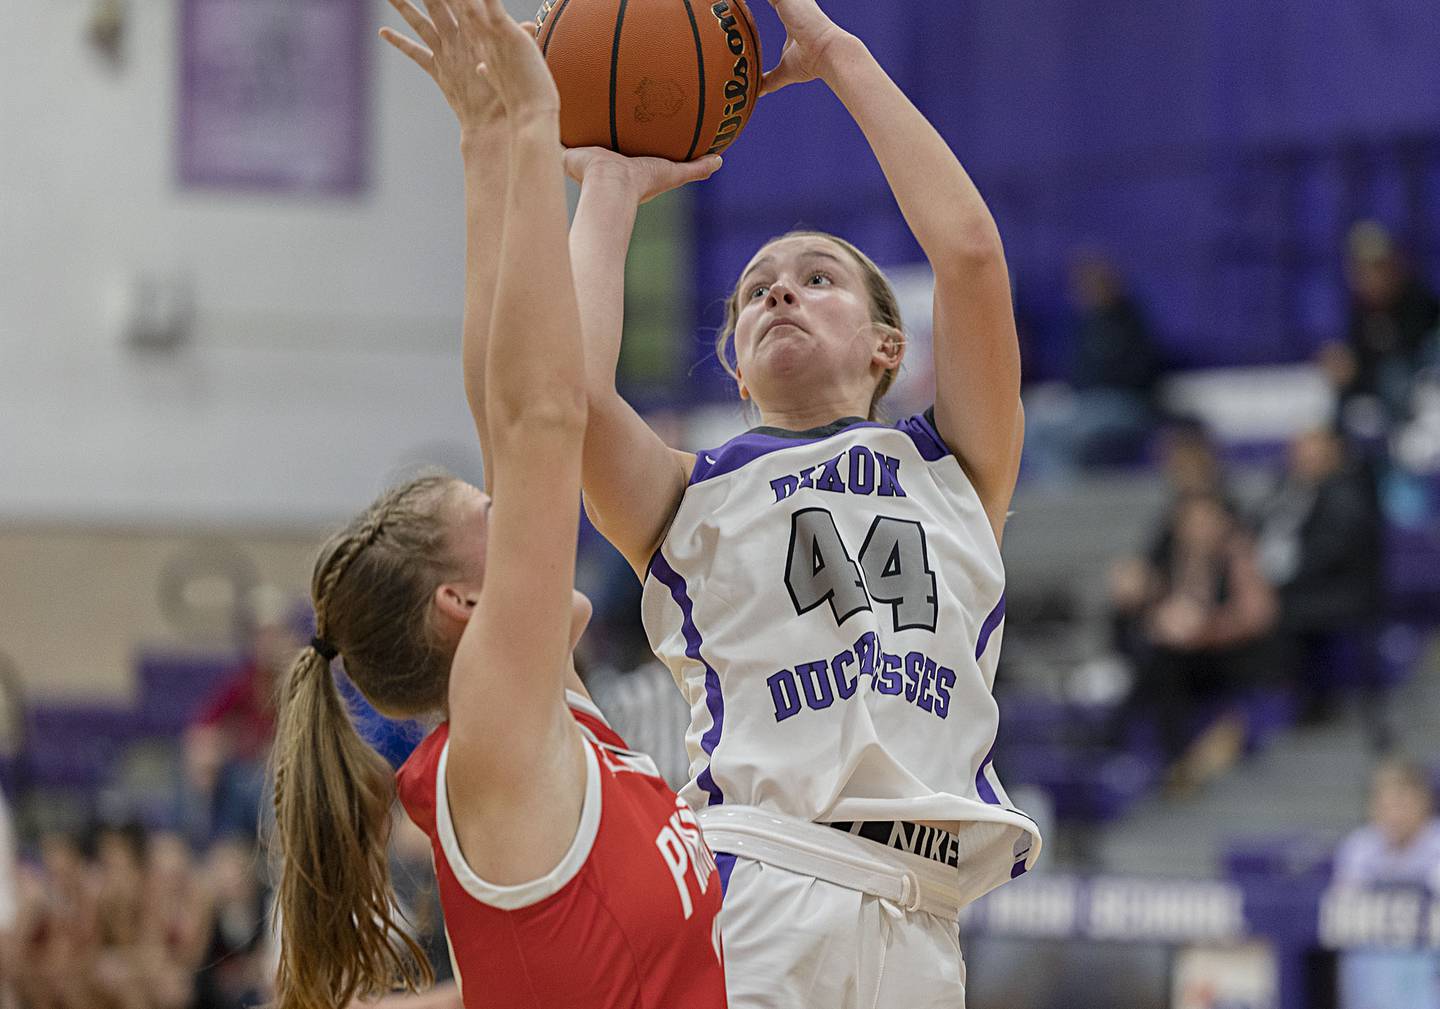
[(810, 39), (485, 63), (451, 57), (647, 177), (514, 63)]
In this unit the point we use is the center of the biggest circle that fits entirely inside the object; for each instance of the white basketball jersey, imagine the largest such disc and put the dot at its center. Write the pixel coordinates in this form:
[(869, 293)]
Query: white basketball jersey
[(831, 603)]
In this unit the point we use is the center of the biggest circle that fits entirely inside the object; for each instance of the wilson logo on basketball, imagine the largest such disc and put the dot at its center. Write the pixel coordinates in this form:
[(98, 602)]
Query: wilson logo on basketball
[(737, 88), (657, 100)]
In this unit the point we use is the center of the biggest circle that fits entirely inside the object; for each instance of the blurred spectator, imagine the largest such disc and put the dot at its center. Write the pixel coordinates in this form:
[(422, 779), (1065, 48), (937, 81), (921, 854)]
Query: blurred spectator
[(9, 909), (145, 951), (56, 929), (226, 747), (1399, 847), (1392, 316), (1189, 459), (1196, 614), (234, 971), (1320, 542), (1191, 466), (1106, 413)]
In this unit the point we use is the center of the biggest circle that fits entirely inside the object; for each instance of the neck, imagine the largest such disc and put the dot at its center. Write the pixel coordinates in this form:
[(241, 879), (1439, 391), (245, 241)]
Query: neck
[(803, 417)]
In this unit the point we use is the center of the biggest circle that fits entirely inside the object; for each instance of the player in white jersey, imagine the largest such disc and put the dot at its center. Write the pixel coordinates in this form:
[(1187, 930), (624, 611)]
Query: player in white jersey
[(827, 590)]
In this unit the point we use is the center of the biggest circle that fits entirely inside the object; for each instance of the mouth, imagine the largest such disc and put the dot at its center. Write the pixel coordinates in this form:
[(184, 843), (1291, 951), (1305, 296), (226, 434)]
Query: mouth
[(778, 324)]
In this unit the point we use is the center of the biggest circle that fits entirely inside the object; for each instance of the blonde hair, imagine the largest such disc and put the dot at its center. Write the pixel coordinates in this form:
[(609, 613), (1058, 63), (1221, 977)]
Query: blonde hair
[(341, 937), (884, 312)]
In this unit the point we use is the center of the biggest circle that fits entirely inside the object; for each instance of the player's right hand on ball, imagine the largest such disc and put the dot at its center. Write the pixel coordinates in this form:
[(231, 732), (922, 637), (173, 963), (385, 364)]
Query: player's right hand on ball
[(646, 178)]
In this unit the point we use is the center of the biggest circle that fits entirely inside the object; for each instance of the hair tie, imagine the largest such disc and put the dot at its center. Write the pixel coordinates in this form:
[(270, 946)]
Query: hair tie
[(324, 649)]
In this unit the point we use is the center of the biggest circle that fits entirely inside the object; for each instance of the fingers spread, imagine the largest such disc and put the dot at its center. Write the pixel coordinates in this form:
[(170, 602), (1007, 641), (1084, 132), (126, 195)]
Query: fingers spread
[(410, 48), (442, 17), (419, 22)]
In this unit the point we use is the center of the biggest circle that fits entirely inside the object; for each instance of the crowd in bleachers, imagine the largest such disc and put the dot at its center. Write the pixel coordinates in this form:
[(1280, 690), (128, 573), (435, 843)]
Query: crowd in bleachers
[(1271, 603)]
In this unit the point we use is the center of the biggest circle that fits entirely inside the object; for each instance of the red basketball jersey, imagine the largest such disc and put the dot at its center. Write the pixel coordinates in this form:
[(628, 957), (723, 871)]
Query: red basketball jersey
[(627, 920)]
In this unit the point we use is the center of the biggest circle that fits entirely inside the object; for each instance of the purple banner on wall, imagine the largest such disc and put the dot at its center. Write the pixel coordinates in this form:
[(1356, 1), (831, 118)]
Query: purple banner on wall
[(272, 94)]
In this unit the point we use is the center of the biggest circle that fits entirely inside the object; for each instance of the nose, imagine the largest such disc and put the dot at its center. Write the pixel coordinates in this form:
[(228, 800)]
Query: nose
[(779, 293)]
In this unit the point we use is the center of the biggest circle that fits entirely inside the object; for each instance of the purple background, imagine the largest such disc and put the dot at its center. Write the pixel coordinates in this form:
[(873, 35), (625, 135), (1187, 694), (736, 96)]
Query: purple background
[(1218, 148), (273, 94)]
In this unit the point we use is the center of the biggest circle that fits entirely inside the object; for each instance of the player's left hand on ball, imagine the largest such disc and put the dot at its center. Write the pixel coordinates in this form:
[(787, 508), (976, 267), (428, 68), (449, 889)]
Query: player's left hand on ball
[(646, 177), (513, 63), (810, 39)]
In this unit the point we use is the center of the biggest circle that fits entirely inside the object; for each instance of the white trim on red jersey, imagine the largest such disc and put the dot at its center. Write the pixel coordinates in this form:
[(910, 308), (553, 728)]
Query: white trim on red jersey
[(512, 898)]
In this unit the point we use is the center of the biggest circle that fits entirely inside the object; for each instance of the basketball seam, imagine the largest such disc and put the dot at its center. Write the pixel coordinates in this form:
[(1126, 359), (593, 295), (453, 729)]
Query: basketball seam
[(554, 23), (615, 75), (700, 70)]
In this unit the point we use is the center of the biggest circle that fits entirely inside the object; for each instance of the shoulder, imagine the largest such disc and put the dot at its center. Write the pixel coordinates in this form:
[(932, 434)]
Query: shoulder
[(575, 855)]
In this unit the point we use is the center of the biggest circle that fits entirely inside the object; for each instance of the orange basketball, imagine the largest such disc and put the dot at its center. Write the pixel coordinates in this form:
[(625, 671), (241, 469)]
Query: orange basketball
[(675, 79)]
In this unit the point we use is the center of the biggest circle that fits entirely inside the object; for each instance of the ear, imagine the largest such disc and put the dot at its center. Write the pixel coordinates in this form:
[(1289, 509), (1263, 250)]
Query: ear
[(456, 602), (890, 351)]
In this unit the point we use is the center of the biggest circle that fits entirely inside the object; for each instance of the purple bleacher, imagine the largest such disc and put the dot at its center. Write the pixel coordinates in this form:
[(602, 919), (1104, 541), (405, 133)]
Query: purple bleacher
[(173, 686), (78, 745), (1412, 571), (1086, 784), (1268, 712), (1294, 855)]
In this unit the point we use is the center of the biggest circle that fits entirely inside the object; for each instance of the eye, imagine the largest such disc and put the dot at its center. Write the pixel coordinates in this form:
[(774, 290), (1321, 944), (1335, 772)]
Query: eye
[(820, 280), (759, 291)]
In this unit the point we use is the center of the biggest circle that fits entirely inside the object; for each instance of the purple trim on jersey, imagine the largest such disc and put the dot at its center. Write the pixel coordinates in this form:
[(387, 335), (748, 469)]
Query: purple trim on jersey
[(988, 627), (746, 448), (714, 701), (922, 431), (982, 783), (1018, 869), (725, 865)]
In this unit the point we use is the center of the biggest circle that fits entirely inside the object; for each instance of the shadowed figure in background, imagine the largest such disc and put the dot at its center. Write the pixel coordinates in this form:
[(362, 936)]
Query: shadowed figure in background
[(1392, 318), (1199, 612), (1105, 414), (1319, 541)]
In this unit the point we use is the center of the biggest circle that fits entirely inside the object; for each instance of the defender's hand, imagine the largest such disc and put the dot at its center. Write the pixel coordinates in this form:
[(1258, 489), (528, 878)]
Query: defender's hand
[(452, 59)]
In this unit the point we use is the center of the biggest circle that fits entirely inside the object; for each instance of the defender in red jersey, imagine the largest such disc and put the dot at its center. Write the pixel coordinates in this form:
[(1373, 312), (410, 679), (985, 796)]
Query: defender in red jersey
[(582, 935), (571, 877)]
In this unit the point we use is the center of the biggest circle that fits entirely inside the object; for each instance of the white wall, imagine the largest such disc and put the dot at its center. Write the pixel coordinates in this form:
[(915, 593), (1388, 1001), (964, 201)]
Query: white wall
[(324, 350)]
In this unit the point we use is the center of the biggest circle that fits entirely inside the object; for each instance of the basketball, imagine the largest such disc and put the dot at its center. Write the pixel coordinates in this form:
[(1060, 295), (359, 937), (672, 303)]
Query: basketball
[(674, 79)]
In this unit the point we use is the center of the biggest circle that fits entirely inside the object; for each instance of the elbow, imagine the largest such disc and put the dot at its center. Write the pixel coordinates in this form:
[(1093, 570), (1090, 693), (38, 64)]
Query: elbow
[(561, 410), (970, 246)]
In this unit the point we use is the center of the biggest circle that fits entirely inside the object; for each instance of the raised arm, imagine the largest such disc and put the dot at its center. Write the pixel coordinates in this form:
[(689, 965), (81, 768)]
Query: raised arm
[(977, 353), (633, 480), (512, 742), (450, 57)]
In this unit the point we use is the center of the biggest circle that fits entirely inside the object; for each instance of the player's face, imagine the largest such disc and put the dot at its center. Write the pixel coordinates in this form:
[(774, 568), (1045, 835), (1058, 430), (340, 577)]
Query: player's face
[(804, 317)]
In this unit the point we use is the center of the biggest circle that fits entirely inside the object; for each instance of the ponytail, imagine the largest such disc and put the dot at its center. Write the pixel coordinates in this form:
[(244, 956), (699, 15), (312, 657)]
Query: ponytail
[(341, 938)]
